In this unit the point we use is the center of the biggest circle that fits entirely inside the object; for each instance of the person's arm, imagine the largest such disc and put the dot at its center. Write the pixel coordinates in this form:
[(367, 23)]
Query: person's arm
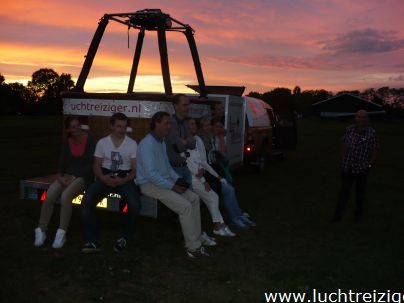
[(190, 139), (63, 158), (148, 158), (87, 164), (63, 162), (130, 176), (202, 153), (179, 144), (375, 150), (344, 147), (106, 179)]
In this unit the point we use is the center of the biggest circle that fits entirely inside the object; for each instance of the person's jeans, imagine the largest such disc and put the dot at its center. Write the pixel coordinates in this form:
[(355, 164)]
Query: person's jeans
[(230, 201), (347, 181), (184, 172), (98, 190)]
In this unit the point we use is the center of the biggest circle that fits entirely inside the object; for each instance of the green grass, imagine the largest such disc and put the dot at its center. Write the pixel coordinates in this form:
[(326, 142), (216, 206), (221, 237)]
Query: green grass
[(293, 248)]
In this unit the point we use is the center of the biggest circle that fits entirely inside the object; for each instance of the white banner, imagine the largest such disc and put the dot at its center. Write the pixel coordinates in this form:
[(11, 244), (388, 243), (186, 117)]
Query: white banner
[(131, 108), (100, 107)]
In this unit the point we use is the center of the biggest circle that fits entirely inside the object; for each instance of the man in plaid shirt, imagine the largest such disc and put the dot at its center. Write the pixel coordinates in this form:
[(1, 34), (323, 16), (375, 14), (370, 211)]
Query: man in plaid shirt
[(358, 153)]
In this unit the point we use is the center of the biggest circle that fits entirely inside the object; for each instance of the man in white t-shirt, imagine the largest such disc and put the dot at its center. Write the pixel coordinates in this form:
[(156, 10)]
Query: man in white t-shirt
[(115, 170)]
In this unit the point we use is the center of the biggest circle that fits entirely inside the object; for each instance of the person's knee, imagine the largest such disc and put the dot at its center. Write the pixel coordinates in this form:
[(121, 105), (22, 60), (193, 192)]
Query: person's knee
[(193, 198), (65, 199), (186, 209), (86, 204)]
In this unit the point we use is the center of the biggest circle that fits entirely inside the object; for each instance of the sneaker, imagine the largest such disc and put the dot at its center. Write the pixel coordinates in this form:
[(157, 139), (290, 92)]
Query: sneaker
[(120, 245), (224, 232), (90, 247), (239, 223), (247, 221), (207, 241), (60, 239), (40, 237), (197, 253)]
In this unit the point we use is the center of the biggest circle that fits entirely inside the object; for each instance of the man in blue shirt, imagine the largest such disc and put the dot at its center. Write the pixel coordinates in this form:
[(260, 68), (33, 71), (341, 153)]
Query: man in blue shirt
[(157, 179)]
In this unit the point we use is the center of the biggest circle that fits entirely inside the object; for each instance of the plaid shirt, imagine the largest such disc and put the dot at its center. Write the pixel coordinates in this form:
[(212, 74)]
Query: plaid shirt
[(360, 146)]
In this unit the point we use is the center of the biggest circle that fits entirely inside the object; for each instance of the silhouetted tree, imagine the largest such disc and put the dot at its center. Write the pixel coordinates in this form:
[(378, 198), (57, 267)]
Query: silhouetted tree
[(297, 91), (352, 92), (254, 95), (46, 85)]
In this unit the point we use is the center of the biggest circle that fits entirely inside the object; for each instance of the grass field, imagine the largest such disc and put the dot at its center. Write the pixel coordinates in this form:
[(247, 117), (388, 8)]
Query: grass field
[(294, 247)]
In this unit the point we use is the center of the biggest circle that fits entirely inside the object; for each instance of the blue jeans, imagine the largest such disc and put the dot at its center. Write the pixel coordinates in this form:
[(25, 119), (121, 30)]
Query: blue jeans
[(230, 202), (98, 190), (184, 172)]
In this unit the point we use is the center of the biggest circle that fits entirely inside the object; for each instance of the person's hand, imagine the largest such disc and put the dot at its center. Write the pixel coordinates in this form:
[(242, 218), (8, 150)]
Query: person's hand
[(109, 180), (68, 180), (207, 187), (200, 173), (179, 189), (223, 181), (61, 180), (119, 181)]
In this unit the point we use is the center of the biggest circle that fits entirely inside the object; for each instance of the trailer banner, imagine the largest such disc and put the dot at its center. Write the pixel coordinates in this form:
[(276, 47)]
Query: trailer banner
[(131, 108)]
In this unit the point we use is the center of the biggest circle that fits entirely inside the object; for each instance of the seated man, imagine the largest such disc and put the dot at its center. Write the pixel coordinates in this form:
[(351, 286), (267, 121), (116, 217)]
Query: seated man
[(115, 170), (157, 179)]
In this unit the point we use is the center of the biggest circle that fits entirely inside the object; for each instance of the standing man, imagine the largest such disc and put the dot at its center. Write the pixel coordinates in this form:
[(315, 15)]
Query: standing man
[(358, 153), (115, 170), (217, 110), (157, 179), (179, 139)]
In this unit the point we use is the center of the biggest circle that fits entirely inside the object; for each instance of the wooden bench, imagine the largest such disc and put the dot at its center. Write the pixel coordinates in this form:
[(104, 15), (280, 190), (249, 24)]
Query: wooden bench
[(35, 189)]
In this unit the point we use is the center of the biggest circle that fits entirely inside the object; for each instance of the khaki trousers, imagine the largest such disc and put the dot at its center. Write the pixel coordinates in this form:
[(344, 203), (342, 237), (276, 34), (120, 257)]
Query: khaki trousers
[(186, 205), (66, 195)]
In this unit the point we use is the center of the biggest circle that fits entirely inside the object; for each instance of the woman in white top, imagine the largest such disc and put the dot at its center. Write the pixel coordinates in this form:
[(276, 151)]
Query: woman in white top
[(197, 164)]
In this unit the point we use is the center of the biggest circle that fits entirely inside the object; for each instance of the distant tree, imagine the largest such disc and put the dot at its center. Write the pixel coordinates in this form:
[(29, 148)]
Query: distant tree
[(46, 85), (254, 95), (280, 99), (297, 91), (352, 92), (65, 82), (14, 98), (2, 79)]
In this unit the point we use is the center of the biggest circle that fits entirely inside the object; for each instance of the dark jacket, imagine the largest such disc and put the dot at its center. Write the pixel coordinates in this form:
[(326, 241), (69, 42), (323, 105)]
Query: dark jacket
[(174, 139), (78, 166)]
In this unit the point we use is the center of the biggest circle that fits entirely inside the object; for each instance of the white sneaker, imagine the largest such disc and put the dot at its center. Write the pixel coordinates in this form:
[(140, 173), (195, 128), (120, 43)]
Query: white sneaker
[(224, 232), (40, 237), (207, 241), (60, 239), (228, 232)]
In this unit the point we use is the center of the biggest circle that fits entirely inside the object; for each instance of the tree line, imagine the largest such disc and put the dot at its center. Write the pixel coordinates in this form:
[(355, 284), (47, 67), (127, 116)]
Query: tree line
[(42, 95), (285, 100)]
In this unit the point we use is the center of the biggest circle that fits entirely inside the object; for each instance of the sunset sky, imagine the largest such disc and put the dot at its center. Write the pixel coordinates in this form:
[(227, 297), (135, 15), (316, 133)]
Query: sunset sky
[(260, 44)]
